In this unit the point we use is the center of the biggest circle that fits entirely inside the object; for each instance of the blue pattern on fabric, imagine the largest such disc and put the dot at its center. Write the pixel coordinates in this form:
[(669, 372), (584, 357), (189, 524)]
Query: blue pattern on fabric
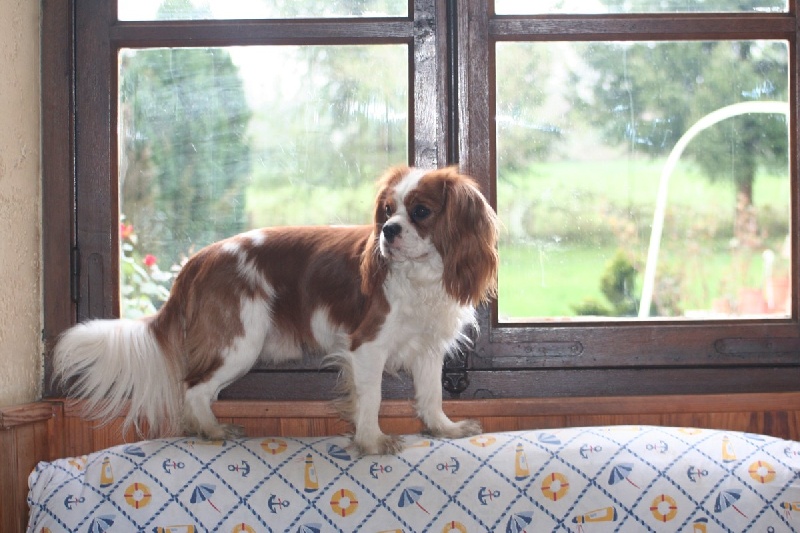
[(587, 480)]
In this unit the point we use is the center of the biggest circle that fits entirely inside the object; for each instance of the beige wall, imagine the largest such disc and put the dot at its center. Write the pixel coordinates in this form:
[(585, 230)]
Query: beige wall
[(20, 192)]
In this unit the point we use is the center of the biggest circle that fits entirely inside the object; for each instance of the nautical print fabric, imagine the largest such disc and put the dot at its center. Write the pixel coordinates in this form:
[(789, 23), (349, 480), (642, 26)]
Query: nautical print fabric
[(589, 480)]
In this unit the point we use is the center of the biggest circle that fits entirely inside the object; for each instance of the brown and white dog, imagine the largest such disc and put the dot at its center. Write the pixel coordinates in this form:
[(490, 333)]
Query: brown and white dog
[(392, 296)]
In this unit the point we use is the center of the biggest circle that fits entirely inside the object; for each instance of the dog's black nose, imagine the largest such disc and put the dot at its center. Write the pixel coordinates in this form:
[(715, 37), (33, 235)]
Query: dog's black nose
[(390, 231)]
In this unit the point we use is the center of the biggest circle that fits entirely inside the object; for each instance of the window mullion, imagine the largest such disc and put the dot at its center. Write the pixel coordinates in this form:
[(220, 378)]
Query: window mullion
[(96, 188)]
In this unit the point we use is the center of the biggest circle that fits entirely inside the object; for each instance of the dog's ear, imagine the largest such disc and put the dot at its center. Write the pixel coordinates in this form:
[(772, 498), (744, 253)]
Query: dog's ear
[(466, 237), (373, 265)]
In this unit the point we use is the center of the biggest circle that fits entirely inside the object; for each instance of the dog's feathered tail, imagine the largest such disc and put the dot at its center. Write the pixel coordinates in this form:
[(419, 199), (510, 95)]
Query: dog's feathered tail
[(114, 364)]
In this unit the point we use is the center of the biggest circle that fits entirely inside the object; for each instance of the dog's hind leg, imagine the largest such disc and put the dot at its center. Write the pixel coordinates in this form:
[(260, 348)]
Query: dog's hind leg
[(237, 359)]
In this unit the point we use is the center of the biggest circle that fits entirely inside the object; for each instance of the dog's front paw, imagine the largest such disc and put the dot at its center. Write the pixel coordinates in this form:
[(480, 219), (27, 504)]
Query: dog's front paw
[(382, 445), (457, 430)]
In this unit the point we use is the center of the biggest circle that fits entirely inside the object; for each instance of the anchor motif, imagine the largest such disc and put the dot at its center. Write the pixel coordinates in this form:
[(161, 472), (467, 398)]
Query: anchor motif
[(694, 473), (485, 495), (660, 447), (586, 449), (376, 469), (244, 468), (71, 501), (169, 465), (790, 453), (449, 467), (275, 504)]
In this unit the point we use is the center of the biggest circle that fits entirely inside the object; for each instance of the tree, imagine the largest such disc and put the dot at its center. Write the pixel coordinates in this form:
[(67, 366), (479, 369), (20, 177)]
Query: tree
[(185, 159), (348, 121), (646, 95), (526, 107)]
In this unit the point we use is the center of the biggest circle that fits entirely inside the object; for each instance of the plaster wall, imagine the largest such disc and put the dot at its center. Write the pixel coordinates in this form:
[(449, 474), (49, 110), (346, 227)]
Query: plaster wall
[(20, 193)]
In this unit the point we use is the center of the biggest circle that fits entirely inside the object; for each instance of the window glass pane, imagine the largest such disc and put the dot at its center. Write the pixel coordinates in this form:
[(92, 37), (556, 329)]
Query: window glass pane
[(643, 179), (600, 7), (256, 9), (215, 141)]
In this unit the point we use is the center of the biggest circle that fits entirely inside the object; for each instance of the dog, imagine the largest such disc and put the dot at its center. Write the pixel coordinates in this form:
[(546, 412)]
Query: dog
[(391, 296)]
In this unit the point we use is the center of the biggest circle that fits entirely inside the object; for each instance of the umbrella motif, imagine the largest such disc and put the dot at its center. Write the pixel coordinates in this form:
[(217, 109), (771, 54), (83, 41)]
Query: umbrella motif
[(411, 495), (549, 438), (337, 452), (101, 524), (518, 521), (310, 528), (202, 493), (727, 498), (620, 472), (134, 450)]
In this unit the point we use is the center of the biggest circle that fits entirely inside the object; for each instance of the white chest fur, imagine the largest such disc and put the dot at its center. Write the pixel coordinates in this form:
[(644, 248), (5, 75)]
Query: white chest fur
[(423, 319)]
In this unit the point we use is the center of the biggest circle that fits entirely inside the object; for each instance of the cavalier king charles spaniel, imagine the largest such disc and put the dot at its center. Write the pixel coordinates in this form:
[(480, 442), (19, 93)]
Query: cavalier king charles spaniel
[(394, 295)]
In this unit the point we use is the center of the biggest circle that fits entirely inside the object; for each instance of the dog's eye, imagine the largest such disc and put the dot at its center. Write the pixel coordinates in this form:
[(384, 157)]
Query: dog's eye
[(420, 212), (387, 210)]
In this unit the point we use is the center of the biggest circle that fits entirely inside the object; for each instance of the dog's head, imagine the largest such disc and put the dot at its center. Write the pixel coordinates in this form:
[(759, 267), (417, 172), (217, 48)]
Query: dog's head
[(419, 213)]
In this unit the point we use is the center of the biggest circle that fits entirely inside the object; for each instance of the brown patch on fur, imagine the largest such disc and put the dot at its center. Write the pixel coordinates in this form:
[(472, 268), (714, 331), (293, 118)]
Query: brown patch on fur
[(464, 231), (205, 301), (308, 268), (319, 267)]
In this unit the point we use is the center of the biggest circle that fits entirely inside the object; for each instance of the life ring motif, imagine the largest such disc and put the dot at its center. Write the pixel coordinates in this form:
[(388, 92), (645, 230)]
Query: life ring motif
[(243, 528), (762, 471), (274, 446), (555, 486), (450, 526), (347, 497), (138, 495), (664, 508), (483, 440)]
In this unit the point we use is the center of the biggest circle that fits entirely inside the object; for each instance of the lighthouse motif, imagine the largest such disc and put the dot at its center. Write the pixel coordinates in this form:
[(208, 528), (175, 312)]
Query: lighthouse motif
[(521, 470), (311, 481), (728, 455), (106, 475)]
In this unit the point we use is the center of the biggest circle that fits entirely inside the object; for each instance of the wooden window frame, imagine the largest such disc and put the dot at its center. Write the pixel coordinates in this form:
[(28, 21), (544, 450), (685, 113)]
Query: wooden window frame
[(452, 98), (618, 357)]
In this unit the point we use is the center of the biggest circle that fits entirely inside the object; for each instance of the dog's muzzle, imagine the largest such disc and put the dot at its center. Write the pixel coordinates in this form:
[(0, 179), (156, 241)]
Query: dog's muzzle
[(390, 231)]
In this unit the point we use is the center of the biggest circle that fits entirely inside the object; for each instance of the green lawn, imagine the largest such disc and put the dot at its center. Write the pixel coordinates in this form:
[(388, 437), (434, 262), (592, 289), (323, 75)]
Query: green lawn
[(535, 281), (564, 221), (539, 281)]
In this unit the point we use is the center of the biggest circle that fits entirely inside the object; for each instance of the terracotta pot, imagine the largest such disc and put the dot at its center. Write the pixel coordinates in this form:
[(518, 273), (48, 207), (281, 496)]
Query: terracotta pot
[(781, 294), (751, 302)]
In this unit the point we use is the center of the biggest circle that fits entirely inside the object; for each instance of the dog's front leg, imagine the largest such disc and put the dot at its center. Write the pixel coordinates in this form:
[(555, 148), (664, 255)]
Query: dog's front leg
[(363, 384), (426, 369)]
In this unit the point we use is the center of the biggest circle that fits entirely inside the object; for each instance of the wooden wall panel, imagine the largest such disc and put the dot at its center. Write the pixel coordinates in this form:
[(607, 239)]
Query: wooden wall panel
[(775, 414), (25, 439)]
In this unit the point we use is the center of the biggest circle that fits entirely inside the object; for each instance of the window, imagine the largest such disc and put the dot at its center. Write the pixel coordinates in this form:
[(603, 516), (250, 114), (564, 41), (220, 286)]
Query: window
[(641, 155), (274, 135)]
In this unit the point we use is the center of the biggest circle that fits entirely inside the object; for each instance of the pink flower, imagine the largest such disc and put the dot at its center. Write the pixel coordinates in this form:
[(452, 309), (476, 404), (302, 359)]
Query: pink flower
[(149, 260), (125, 230)]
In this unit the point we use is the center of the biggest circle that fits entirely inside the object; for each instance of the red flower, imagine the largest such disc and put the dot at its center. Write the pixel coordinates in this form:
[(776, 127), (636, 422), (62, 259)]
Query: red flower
[(125, 230), (149, 260)]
